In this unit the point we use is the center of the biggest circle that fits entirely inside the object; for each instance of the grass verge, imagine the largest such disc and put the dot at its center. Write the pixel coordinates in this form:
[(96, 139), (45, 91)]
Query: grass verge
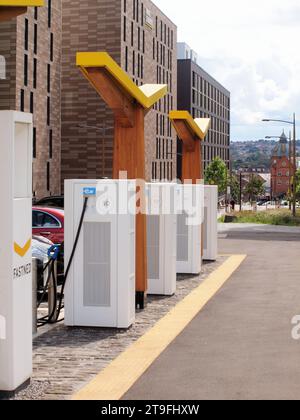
[(278, 217)]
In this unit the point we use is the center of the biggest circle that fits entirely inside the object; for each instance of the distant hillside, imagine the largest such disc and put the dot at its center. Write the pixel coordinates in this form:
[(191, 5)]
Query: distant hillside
[(253, 154)]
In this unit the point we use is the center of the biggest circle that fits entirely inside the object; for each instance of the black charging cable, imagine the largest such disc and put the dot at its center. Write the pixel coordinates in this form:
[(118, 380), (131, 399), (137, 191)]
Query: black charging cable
[(51, 264)]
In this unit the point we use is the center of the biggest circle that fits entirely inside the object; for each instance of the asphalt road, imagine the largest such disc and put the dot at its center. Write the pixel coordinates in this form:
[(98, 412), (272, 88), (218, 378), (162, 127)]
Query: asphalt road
[(240, 345)]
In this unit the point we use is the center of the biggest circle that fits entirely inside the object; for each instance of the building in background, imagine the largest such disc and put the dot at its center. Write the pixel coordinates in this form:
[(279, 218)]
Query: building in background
[(281, 168), (204, 97), (143, 41), (185, 52), (30, 51)]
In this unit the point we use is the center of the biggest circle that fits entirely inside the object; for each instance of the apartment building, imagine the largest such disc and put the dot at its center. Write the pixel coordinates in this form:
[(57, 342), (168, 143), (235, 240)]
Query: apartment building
[(143, 41), (204, 97), (30, 51)]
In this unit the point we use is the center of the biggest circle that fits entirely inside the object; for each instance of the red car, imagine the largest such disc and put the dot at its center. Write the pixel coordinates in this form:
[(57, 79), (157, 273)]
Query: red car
[(49, 223)]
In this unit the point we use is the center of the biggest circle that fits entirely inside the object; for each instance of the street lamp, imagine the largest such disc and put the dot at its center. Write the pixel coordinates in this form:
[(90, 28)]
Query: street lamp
[(293, 123)]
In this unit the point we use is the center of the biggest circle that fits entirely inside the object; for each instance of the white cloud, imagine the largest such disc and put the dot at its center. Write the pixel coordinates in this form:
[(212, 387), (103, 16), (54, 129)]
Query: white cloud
[(251, 47)]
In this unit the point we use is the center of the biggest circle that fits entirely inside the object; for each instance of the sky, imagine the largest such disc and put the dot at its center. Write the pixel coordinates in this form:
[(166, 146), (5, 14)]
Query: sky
[(252, 47)]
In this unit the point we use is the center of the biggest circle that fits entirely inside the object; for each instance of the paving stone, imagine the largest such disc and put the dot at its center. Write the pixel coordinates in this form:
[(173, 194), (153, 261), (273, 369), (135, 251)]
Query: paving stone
[(65, 359)]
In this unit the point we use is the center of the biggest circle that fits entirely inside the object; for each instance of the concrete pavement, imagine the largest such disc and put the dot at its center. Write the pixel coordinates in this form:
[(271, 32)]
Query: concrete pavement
[(239, 346)]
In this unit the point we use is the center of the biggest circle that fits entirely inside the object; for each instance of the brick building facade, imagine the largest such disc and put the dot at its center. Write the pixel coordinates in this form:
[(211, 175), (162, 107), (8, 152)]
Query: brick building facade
[(142, 40), (281, 168), (30, 46)]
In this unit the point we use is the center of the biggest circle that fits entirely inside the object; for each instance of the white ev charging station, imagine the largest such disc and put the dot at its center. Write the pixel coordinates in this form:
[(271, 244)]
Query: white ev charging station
[(15, 250), (189, 234), (161, 238), (210, 237), (100, 288)]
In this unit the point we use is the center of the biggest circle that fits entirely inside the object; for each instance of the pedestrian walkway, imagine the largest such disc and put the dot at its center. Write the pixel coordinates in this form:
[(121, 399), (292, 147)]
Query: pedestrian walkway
[(240, 345)]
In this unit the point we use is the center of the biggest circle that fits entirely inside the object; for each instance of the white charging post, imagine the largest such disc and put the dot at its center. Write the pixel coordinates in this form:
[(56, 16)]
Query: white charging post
[(161, 238), (100, 288), (15, 250), (210, 237)]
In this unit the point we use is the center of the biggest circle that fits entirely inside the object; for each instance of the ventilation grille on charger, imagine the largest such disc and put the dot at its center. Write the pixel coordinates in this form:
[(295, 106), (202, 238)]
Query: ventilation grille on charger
[(153, 246), (182, 238), (97, 264)]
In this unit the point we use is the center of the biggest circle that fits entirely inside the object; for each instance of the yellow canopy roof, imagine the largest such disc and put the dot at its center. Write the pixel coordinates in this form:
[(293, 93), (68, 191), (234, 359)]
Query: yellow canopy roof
[(199, 126), (22, 3), (146, 95)]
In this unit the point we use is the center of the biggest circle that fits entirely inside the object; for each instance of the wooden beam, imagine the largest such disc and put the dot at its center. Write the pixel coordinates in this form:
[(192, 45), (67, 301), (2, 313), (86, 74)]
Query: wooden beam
[(129, 156), (8, 13), (185, 135), (113, 96)]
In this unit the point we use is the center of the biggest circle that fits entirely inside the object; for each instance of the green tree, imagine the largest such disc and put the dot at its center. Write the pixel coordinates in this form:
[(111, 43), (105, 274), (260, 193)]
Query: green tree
[(254, 188), (298, 184), (234, 184), (216, 174)]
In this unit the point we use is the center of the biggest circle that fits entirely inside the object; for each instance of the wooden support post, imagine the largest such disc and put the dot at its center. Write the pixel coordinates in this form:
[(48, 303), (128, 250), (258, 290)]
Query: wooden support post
[(191, 132), (129, 104)]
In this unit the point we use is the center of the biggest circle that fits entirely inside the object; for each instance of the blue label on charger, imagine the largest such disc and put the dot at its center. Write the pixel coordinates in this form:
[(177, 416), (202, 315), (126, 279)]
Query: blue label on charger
[(90, 191)]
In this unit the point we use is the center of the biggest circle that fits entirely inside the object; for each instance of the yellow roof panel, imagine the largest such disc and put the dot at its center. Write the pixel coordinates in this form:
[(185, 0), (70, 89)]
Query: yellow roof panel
[(146, 95), (199, 126), (22, 3)]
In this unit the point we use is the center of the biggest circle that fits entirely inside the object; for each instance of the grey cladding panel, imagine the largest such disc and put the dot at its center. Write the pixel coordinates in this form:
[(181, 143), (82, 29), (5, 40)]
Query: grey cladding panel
[(97, 264), (182, 238), (153, 246)]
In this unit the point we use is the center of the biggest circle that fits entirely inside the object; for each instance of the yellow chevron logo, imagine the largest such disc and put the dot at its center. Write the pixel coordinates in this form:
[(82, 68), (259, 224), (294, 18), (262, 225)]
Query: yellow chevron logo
[(22, 251)]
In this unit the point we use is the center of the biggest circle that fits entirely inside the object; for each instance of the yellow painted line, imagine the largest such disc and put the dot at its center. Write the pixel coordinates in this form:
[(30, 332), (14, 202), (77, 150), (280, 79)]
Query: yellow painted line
[(115, 380)]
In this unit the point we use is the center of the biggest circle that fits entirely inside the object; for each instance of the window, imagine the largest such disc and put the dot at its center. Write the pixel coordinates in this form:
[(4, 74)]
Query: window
[(25, 70), (49, 13), (41, 219), (22, 100), (31, 103), (50, 144), (35, 38), (26, 35), (48, 111), (132, 34), (133, 63), (48, 176), (48, 78), (124, 28), (126, 59), (34, 143), (34, 73), (35, 13), (142, 67), (51, 47)]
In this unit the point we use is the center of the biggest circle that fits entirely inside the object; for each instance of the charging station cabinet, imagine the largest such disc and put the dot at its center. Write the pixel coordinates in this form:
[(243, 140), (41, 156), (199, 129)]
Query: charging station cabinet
[(161, 238), (210, 237), (189, 236), (15, 250), (100, 288)]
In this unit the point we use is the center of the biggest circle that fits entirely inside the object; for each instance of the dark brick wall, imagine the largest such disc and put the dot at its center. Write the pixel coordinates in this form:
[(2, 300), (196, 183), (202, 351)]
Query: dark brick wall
[(87, 130), (13, 44)]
